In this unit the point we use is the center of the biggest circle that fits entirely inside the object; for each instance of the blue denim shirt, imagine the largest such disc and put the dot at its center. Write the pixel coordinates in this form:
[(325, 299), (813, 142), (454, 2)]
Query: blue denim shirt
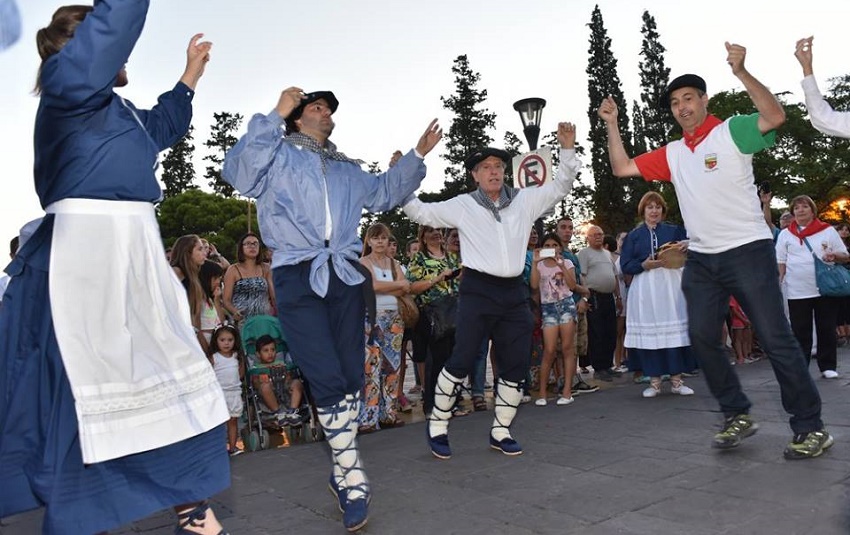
[(291, 188)]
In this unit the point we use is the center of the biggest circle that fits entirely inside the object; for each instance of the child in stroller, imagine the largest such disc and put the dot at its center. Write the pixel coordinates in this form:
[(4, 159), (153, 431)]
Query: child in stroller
[(276, 396), (275, 381)]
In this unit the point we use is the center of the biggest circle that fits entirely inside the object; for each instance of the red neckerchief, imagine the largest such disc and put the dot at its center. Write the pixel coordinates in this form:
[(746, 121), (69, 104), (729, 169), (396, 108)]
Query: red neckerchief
[(700, 132), (812, 228)]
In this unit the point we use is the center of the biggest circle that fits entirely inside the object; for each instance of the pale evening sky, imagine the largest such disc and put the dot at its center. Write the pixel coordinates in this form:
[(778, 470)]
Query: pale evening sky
[(389, 62)]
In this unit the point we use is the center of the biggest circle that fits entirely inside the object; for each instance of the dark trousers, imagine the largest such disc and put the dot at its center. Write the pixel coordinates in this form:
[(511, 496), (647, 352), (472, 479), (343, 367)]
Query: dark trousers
[(601, 330), (825, 312), (493, 308), (750, 273), (437, 352), (326, 335)]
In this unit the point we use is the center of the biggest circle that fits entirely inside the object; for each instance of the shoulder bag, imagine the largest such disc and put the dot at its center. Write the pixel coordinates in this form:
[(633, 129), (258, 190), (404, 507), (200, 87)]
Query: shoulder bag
[(832, 280), (407, 308)]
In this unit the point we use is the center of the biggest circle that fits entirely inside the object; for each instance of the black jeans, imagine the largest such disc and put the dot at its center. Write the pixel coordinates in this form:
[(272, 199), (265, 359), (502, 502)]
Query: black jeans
[(750, 273), (601, 331), (825, 311)]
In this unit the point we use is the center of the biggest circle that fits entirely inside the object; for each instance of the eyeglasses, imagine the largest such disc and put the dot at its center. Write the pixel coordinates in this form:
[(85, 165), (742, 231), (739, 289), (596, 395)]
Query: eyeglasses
[(251, 244)]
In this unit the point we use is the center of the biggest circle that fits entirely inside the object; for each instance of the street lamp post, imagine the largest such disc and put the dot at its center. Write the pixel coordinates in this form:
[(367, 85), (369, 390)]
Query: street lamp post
[(530, 111)]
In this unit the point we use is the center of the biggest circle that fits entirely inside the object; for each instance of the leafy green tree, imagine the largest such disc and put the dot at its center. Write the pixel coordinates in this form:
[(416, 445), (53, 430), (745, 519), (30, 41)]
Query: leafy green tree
[(221, 140), (178, 171), (613, 201), (652, 125), (220, 220), (468, 130)]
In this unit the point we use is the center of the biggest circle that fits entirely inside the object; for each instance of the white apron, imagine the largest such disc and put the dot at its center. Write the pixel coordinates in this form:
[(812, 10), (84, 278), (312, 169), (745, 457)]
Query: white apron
[(658, 314), (138, 375)]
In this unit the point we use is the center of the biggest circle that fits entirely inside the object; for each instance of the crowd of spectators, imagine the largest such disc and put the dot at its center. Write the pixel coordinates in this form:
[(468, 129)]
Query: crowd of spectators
[(611, 307)]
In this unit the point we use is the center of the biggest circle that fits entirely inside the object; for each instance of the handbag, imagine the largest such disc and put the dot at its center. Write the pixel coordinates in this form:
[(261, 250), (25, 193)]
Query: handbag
[(832, 280), (407, 308), (442, 315)]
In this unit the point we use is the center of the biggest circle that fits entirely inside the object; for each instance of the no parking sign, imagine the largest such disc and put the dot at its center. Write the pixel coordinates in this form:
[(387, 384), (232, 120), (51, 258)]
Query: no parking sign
[(533, 169)]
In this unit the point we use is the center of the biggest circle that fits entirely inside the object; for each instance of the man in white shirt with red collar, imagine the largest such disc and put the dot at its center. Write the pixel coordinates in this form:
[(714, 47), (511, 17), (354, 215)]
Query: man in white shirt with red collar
[(730, 254), (494, 222)]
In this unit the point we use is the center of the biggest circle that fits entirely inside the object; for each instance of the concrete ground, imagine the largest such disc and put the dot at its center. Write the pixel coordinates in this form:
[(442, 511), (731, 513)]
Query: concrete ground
[(610, 463)]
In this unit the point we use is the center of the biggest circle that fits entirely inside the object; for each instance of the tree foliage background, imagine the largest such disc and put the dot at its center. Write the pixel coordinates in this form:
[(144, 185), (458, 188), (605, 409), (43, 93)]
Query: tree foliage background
[(802, 161)]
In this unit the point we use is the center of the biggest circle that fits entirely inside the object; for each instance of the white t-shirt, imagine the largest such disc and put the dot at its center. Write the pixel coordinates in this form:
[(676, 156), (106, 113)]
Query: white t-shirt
[(227, 371), (799, 264)]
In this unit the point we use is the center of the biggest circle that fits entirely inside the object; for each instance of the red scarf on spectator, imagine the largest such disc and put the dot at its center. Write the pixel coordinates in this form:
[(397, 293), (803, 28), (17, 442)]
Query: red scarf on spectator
[(812, 228)]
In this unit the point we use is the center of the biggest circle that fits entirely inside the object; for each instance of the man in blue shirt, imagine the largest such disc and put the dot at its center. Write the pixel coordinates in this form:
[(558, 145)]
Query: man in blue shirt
[(310, 198)]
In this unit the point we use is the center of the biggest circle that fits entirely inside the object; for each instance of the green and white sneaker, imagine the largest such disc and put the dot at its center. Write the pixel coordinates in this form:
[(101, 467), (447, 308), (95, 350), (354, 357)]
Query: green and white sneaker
[(808, 445), (735, 429)]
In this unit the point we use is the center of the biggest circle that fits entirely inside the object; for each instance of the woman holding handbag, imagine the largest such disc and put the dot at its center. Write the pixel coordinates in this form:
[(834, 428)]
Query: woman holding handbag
[(383, 360), (797, 243), (432, 278)]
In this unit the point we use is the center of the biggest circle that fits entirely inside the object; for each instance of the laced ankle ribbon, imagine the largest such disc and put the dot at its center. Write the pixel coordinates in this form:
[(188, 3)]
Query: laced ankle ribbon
[(341, 437), (508, 396), (194, 518), (445, 392)]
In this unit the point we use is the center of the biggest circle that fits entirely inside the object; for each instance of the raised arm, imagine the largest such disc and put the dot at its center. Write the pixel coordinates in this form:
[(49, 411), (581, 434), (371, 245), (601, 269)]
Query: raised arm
[(83, 73), (823, 117), (544, 197), (404, 175), (621, 164), (169, 120), (771, 113)]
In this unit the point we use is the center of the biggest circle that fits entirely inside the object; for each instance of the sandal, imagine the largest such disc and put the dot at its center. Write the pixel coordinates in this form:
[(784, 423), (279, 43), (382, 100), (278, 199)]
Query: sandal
[(457, 412), (194, 518), (479, 404), (389, 424)]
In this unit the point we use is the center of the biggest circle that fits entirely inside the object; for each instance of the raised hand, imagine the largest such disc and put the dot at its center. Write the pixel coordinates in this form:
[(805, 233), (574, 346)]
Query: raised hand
[(197, 56), (395, 158), (803, 53), (430, 138), (608, 110), (735, 56), (567, 135), (289, 99)]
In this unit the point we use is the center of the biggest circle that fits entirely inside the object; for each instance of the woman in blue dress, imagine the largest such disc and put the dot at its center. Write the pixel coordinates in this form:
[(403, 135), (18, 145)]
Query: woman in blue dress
[(657, 319), (109, 411)]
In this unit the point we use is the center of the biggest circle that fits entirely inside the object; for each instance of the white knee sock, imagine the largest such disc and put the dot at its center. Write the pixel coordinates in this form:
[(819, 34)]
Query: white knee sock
[(445, 392), (508, 396), (341, 434)]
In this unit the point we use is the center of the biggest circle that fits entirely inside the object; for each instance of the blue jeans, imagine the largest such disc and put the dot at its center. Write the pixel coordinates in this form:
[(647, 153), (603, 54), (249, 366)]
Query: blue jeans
[(748, 272), (479, 372)]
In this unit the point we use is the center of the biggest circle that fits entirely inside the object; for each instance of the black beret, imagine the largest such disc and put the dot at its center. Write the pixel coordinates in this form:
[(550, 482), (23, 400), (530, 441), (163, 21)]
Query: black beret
[(329, 97), (479, 155), (686, 80)]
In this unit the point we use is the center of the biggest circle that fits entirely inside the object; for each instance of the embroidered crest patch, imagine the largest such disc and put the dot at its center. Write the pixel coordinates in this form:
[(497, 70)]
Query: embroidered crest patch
[(711, 161)]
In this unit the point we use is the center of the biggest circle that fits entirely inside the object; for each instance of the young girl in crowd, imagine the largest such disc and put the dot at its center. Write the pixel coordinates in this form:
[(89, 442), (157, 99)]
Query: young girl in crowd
[(229, 365), (267, 358), (211, 313), (554, 277)]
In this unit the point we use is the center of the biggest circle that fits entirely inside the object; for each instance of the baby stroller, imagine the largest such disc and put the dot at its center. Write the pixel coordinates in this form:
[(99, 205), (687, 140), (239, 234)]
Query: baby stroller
[(262, 421)]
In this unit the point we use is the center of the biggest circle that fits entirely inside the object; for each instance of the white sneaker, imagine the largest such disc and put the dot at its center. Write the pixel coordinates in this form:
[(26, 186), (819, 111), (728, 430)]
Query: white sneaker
[(541, 402), (564, 401), (525, 399), (830, 374), (651, 392), (682, 390)]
